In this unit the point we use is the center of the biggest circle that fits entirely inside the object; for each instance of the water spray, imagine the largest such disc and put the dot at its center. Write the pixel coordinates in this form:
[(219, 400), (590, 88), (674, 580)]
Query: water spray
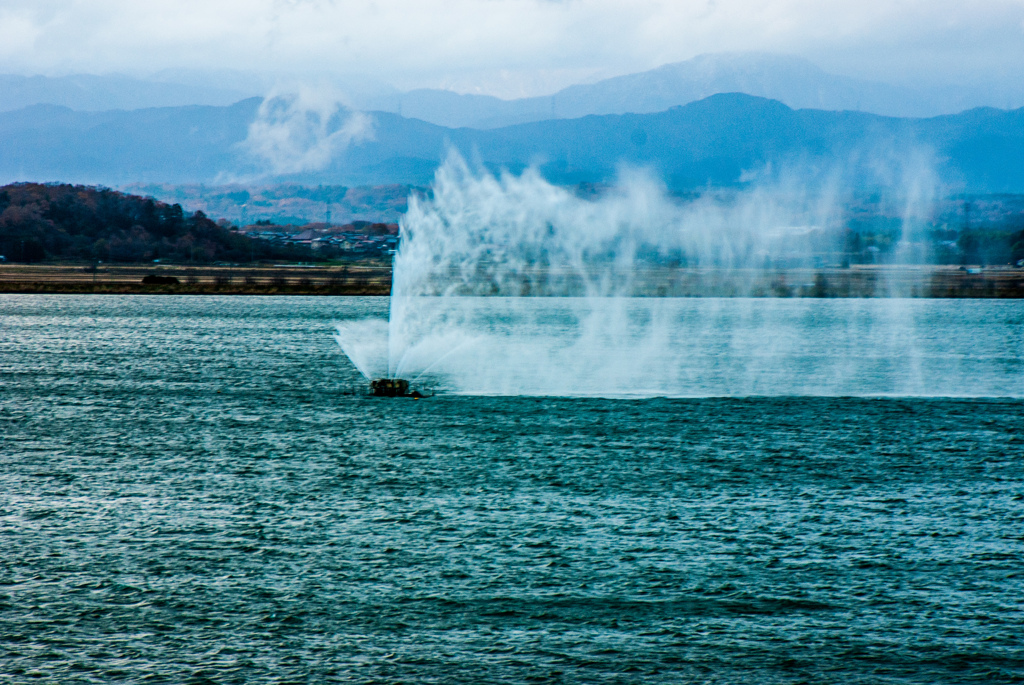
[(508, 285)]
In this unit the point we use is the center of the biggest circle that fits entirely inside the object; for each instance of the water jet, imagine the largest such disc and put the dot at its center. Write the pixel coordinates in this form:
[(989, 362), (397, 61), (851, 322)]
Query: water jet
[(508, 285)]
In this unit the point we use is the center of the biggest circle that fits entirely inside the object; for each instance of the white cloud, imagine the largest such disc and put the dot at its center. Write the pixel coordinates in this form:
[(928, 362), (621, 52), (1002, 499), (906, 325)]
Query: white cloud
[(466, 42), (302, 129), (18, 33)]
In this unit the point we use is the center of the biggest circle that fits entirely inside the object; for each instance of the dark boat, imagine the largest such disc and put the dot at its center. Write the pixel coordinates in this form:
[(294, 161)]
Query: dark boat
[(389, 387)]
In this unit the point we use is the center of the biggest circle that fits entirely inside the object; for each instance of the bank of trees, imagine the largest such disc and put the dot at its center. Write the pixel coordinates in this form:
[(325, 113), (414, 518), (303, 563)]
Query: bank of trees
[(81, 223)]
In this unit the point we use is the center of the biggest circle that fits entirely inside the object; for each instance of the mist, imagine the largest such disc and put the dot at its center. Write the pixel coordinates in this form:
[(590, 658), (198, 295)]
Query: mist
[(510, 235), (302, 129)]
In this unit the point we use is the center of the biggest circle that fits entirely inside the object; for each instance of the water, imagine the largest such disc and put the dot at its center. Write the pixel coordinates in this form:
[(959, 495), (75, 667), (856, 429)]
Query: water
[(192, 490), (696, 347)]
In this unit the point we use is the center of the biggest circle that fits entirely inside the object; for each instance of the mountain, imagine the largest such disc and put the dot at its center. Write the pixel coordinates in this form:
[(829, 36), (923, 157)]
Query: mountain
[(793, 81), (796, 82), (721, 140), (86, 92), (173, 88), (51, 143), (458, 110)]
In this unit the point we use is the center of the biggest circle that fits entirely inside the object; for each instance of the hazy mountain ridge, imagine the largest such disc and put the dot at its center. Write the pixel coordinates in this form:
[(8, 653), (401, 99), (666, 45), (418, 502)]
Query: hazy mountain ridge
[(51, 143), (87, 92), (721, 140), (793, 81)]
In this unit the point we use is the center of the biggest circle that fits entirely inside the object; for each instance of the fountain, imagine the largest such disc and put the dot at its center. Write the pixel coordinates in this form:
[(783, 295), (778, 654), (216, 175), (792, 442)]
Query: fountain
[(508, 285)]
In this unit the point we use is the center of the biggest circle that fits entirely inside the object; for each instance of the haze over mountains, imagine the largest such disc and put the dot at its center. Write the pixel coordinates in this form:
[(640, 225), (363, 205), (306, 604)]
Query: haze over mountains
[(89, 93), (793, 81), (686, 122), (722, 140)]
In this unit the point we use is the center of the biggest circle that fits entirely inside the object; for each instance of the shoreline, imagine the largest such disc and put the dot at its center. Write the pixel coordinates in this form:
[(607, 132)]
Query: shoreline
[(374, 279), (354, 279), (185, 289)]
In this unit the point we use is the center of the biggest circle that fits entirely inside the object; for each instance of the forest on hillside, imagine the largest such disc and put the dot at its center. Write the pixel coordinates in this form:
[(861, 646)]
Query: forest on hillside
[(81, 223)]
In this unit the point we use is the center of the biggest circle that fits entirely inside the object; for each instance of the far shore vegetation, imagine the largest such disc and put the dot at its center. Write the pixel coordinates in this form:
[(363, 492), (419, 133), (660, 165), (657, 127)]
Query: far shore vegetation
[(54, 223), (61, 223)]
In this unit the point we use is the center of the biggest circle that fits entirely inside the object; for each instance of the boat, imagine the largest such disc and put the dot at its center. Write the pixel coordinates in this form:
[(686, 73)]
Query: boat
[(390, 387)]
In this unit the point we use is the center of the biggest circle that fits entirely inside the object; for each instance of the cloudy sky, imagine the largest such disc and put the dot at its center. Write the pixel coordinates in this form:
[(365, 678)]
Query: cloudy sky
[(509, 47)]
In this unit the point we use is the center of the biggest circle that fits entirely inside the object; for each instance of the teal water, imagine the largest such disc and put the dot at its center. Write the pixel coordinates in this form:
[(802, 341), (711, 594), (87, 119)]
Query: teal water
[(697, 347), (196, 489)]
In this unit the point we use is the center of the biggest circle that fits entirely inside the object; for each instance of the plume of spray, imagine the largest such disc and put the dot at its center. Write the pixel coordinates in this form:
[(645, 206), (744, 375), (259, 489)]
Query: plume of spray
[(303, 128), (915, 174), (519, 235), (507, 284)]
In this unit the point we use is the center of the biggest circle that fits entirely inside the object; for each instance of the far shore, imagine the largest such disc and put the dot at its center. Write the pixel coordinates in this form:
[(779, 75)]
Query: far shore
[(369, 278), (374, 278)]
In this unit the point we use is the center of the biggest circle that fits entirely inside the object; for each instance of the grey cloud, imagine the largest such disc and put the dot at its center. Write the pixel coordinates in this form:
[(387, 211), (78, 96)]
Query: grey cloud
[(478, 44)]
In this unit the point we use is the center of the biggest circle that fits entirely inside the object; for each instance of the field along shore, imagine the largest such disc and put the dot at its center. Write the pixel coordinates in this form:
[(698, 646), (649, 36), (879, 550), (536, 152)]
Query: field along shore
[(374, 278), (354, 279)]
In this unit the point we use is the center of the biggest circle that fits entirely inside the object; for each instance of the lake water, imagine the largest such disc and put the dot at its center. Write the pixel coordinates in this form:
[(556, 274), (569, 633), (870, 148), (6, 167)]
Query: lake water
[(698, 347), (197, 489)]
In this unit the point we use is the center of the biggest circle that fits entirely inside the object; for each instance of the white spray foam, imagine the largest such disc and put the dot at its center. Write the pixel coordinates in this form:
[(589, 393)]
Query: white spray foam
[(459, 320)]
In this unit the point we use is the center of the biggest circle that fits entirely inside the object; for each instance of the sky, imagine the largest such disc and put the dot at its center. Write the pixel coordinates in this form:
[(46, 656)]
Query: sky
[(509, 48)]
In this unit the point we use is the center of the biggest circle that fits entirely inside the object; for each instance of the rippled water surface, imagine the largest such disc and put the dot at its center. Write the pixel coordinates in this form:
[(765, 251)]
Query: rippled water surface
[(195, 490)]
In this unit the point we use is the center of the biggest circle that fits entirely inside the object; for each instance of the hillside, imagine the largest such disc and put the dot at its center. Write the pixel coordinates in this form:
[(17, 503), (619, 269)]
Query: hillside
[(285, 203), (77, 223)]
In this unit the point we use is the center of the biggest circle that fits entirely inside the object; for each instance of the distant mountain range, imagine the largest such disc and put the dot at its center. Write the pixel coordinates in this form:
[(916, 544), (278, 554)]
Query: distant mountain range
[(721, 140), (88, 93), (793, 81)]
